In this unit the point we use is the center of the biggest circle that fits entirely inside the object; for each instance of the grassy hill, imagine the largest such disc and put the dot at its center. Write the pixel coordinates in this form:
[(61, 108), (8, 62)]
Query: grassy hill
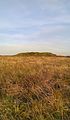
[(34, 88), (36, 54)]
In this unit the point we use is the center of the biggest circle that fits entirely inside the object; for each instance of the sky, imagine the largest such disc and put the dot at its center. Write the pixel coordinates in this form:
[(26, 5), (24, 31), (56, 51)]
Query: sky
[(35, 25)]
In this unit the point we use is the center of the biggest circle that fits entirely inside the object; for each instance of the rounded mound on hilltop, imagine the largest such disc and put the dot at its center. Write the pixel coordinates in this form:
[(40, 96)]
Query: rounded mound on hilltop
[(36, 54)]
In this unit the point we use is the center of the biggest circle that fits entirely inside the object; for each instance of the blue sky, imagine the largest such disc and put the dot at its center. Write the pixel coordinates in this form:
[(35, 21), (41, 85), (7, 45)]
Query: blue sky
[(35, 25)]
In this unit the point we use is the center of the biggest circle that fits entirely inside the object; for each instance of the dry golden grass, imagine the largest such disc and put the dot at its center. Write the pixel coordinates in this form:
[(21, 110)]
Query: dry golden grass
[(34, 88)]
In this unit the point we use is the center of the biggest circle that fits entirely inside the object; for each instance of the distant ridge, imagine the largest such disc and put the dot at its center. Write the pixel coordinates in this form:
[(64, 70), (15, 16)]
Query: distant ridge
[(36, 54), (48, 54)]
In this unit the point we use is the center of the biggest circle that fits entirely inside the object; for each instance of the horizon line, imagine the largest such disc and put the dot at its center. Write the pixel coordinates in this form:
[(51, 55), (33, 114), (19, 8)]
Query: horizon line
[(39, 52)]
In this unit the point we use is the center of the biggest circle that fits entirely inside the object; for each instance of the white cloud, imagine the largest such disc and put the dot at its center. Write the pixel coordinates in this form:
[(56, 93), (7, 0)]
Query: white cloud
[(34, 25)]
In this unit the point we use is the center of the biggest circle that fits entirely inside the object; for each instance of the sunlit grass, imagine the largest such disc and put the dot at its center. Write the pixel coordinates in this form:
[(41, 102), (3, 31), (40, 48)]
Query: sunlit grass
[(34, 88)]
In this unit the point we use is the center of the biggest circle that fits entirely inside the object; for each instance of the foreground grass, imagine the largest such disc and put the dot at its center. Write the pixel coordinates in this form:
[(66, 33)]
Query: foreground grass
[(34, 88)]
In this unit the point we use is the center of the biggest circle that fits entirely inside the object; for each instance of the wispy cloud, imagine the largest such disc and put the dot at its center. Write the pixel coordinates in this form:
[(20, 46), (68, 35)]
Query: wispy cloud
[(35, 25)]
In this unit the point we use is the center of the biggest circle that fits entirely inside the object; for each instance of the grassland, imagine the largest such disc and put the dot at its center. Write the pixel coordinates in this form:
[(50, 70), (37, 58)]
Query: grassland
[(34, 88)]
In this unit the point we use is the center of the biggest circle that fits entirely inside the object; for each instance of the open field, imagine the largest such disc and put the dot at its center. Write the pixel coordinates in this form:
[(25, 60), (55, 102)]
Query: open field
[(34, 88)]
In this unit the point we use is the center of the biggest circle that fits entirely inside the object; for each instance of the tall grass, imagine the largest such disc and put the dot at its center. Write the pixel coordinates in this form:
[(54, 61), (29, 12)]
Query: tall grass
[(34, 88)]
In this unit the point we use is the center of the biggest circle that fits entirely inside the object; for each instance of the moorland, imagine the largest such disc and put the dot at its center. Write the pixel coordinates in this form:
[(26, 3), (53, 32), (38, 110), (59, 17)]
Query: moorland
[(34, 87)]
